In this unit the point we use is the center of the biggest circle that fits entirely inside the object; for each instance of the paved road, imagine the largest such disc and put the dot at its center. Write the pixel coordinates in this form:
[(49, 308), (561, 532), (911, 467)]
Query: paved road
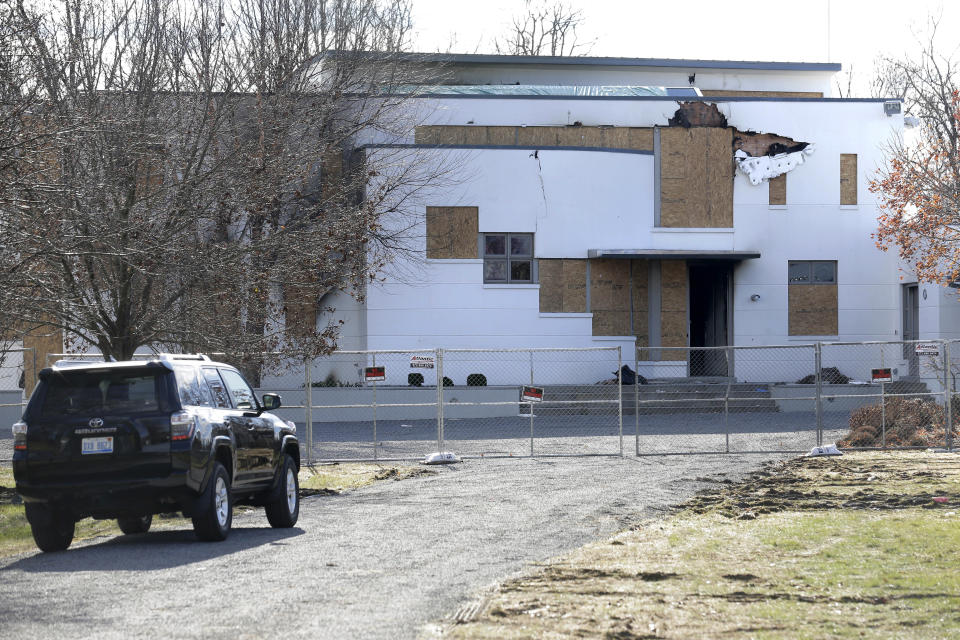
[(388, 561)]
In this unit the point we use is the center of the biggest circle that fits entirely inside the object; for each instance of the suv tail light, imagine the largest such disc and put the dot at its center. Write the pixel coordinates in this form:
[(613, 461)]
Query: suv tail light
[(182, 426), (20, 436)]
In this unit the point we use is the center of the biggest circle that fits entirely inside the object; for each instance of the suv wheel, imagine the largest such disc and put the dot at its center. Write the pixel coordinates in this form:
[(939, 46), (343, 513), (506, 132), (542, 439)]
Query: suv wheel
[(52, 528), (213, 513), (284, 506), (136, 524)]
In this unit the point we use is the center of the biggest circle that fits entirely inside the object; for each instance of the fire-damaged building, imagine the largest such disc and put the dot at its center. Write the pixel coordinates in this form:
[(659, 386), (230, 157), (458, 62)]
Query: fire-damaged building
[(656, 205)]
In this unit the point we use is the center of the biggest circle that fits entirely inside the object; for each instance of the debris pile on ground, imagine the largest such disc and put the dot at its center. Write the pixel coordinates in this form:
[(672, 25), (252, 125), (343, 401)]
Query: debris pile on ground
[(899, 422), (828, 375)]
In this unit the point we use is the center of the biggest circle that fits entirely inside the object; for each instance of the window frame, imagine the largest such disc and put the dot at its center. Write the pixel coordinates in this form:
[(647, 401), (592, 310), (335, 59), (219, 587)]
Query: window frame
[(810, 264), (507, 257)]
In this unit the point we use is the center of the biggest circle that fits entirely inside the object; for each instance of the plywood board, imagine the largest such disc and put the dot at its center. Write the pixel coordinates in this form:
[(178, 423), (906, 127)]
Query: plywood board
[(611, 323), (609, 285), (551, 285), (673, 308), (728, 93), (636, 138), (43, 341), (778, 190), (574, 286), (813, 310), (696, 177), (848, 178), (452, 232), (640, 300)]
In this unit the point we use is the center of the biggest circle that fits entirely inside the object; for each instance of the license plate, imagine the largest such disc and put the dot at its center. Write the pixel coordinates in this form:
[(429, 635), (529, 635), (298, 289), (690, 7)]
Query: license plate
[(97, 445)]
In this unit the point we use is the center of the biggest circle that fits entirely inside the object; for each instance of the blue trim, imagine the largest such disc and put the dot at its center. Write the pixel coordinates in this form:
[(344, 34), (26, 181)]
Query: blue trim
[(506, 147)]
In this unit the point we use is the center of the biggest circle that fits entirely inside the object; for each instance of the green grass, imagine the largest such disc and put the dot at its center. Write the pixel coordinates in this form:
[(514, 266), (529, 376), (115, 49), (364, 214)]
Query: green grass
[(760, 560)]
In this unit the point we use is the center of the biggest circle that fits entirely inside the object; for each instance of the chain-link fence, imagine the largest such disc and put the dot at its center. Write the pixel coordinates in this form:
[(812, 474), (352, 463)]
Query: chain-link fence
[(406, 404)]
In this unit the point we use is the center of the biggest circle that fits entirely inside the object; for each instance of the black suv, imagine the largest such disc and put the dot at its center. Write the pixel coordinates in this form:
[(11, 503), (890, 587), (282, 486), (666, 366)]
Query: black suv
[(127, 440)]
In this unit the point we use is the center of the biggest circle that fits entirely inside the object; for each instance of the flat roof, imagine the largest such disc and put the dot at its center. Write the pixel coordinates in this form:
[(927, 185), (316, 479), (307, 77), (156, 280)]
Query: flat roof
[(674, 254), (585, 61)]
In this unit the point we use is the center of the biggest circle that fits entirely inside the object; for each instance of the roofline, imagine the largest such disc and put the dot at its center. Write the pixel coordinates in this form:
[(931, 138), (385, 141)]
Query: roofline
[(461, 96), (503, 147), (585, 61)]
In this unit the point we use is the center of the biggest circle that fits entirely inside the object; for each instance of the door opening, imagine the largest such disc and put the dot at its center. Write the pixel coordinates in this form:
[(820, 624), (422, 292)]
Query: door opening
[(710, 286), (911, 327)]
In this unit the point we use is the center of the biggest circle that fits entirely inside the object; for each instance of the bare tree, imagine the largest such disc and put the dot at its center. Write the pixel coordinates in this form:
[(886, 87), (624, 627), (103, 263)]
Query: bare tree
[(545, 29), (189, 174)]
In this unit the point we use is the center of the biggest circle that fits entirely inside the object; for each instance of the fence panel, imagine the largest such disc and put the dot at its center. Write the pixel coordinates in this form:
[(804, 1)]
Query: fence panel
[(907, 411), (354, 418), (579, 413)]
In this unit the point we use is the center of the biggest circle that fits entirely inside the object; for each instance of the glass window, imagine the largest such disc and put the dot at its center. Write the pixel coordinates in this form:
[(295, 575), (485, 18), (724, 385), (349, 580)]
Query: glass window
[(221, 399), (798, 272), (495, 245), (825, 272), (191, 392), (812, 272), (240, 391), (102, 393), (502, 267)]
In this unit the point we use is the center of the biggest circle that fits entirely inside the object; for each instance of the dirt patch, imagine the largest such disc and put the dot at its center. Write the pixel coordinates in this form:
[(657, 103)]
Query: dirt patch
[(864, 545)]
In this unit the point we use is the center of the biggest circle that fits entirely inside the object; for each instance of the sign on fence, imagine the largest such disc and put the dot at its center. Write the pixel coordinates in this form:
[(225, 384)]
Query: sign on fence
[(374, 374), (928, 349), (532, 394), (421, 362), (881, 375)]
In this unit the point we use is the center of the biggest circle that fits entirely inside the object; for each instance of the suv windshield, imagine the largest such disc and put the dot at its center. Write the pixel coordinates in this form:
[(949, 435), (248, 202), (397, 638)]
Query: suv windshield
[(103, 392)]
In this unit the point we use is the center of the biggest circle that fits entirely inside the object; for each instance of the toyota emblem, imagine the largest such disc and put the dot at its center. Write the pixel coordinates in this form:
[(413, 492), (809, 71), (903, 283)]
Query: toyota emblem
[(96, 422)]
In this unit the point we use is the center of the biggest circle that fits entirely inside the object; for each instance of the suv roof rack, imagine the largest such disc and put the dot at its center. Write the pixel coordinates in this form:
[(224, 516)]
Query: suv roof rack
[(183, 356)]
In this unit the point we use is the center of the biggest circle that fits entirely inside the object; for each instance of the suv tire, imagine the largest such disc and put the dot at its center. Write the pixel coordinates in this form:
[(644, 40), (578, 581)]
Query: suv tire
[(213, 513), (135, 524), (52, 528), (283, 509)]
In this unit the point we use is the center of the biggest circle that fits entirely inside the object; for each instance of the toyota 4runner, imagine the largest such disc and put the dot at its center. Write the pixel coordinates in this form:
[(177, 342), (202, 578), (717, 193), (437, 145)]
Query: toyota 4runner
[(128, 440)]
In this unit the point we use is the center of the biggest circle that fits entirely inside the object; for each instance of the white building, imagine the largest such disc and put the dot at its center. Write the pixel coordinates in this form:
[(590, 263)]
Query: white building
[(659, 205)]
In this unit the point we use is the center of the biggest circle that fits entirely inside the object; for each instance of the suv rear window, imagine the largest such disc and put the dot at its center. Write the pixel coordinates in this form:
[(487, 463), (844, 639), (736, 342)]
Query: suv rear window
[(103, 392)]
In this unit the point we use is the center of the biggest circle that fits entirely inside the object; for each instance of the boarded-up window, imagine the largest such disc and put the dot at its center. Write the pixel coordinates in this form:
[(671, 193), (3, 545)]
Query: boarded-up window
[(563, 286), (778, 190), (812, 293), (452, 232), (673, 308), (610, 297), (848, 178), (696, 177)]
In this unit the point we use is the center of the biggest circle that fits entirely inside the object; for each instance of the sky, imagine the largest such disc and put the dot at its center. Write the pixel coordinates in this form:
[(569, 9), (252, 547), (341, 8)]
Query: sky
[(851, 32)]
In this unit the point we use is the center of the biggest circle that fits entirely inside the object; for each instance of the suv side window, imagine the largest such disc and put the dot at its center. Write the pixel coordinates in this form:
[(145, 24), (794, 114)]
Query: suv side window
[(191, 391), (220, 398), (240, 391)]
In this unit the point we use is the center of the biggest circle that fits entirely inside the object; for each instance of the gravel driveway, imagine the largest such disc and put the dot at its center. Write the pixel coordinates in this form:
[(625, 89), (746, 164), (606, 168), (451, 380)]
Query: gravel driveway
[(392, 560)]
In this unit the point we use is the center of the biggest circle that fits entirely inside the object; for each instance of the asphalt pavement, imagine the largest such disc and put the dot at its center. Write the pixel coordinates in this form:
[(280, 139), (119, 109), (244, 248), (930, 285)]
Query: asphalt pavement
[(397, 559)]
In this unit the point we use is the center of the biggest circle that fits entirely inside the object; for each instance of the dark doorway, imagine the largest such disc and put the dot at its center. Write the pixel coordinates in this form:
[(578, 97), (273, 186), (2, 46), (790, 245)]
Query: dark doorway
[(911, 327), (710, 285)]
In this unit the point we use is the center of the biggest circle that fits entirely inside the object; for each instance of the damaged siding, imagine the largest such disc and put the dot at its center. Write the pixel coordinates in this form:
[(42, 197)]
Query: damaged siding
[(452, 232)]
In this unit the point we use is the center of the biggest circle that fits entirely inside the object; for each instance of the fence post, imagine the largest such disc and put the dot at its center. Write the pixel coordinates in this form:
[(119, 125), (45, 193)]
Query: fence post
[(818, 365), (947, 394), (530, 404), (373, 363), (620, 394), (308, 408), (439, 357), (636, 395), (726, 398)]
